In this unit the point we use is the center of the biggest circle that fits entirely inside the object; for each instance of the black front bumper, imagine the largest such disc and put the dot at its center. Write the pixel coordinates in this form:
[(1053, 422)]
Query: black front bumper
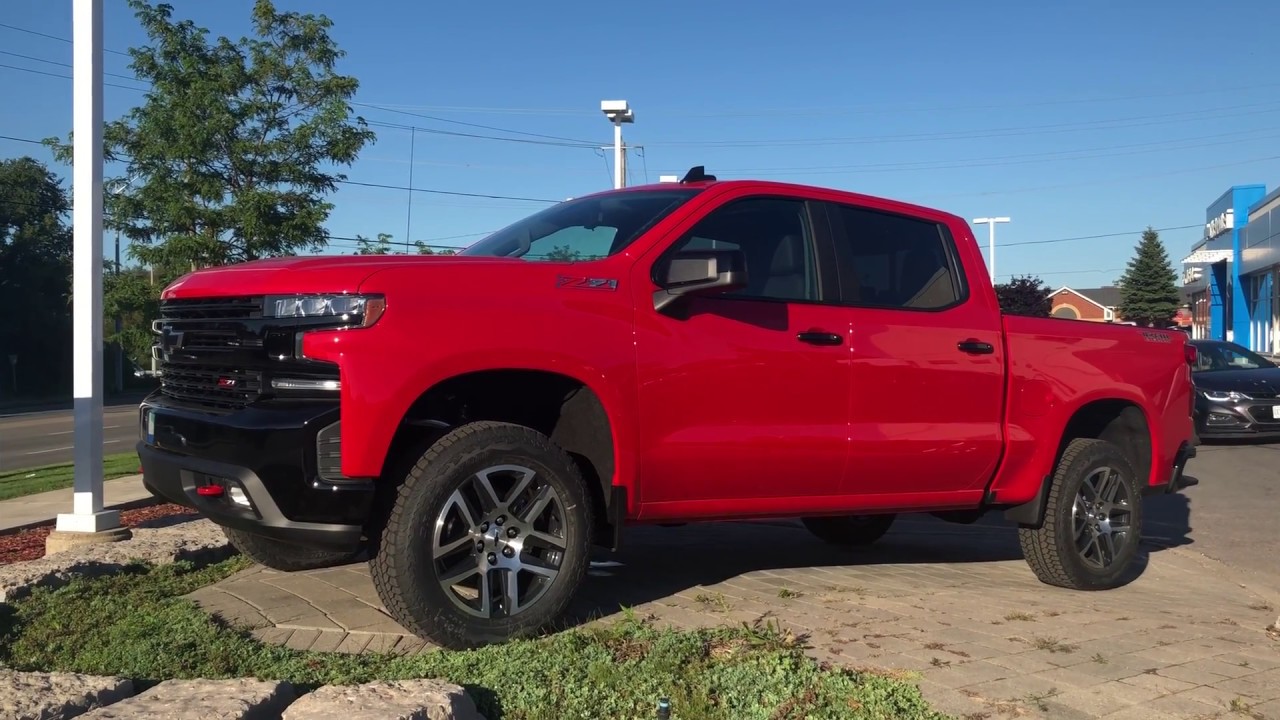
[(263, 460)]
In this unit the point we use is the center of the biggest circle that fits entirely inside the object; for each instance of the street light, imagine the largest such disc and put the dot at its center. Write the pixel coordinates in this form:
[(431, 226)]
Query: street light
[(618, 112), (990, 222)]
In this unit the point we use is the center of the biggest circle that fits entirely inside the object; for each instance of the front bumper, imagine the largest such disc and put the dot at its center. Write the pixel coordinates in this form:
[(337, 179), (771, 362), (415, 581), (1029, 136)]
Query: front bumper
[(259, 469), (1247, 419)]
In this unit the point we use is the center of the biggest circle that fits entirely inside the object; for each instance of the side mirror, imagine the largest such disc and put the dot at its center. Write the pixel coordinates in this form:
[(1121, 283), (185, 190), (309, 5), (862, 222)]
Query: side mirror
[(698, 272)]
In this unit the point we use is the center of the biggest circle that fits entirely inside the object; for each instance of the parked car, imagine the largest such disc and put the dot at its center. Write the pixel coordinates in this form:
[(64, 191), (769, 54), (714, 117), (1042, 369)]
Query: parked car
[(1237, 392), (663, 354)]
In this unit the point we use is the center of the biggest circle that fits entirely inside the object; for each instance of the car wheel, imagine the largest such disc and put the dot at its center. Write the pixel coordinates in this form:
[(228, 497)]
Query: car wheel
[(1092, 521), (849, 529), (487, 539), (283, 556)]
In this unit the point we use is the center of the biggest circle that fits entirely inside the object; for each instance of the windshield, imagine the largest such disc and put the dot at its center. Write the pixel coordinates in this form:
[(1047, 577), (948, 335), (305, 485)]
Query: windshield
[(583, 229), (1211, 357)]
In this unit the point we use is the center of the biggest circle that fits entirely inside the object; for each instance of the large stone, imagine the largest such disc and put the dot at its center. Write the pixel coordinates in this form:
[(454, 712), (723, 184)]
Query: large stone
[(243, 699), (197, 541), (52, 696), (401, 700)]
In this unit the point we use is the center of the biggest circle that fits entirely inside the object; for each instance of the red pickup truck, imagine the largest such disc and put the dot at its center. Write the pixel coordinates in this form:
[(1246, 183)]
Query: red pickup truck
[(694, 351)]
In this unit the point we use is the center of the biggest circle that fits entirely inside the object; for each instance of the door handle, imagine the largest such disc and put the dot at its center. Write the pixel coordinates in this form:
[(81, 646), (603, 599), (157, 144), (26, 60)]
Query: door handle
[(817, 337), (975, 347)]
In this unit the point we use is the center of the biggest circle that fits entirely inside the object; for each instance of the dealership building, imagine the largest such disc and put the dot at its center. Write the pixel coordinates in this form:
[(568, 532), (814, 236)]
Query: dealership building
[(1232, 275)]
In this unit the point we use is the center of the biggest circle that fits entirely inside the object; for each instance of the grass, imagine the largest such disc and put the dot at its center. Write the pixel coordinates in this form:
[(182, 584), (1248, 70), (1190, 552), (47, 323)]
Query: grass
[(17, 483), (136, 624)]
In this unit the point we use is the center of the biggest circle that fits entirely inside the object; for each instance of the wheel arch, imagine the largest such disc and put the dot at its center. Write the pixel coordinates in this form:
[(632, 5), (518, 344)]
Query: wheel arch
[(1118, 420), (565, 408)]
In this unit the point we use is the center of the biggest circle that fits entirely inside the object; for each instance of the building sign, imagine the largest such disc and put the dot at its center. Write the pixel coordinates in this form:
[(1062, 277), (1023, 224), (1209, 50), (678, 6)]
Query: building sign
[(1219, 225), (1192, 275)]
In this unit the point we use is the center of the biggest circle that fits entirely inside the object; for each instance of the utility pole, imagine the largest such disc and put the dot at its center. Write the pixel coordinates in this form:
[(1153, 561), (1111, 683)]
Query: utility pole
[(618, 112), (88, 522), (990, 222)]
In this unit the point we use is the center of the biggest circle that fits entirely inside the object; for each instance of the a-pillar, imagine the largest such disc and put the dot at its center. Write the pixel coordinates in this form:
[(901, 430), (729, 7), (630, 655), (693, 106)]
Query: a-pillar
[(88, 522)]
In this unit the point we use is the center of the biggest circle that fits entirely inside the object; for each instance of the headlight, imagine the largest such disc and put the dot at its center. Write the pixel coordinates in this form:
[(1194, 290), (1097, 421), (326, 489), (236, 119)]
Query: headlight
[(352, 310), (1224, 396)]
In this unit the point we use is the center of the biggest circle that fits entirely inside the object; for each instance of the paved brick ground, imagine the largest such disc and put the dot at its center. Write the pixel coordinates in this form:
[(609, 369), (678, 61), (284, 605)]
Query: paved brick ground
[(955, 604)]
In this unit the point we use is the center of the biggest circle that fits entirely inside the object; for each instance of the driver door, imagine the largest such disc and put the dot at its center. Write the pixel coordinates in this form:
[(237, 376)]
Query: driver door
[(744, 397)]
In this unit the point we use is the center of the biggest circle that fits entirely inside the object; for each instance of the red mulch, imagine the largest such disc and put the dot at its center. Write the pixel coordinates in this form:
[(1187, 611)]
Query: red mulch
[(28, 544)]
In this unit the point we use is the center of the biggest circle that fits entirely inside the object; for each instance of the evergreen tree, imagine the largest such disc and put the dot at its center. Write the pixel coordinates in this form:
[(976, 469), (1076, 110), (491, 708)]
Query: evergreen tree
[(1024, 295), (1148, 290)]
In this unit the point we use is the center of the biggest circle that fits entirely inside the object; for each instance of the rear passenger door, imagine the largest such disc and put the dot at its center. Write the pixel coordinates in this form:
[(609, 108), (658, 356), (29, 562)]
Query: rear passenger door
[(927, 362)]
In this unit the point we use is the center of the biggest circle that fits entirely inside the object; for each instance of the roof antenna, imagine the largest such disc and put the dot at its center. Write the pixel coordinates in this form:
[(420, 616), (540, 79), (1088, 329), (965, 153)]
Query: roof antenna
[(697, 174)]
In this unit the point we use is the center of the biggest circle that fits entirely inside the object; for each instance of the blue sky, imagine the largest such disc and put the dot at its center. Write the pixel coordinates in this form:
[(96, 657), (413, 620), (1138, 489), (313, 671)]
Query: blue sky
[(1075, 119)]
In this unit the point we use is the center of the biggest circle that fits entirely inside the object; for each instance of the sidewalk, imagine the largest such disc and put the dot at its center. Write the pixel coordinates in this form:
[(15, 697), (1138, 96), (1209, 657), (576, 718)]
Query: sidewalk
[(43, 507)]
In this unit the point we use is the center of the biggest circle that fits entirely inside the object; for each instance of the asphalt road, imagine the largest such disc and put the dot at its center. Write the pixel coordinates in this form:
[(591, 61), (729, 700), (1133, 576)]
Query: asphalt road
[(1231, 516), (45, 438)]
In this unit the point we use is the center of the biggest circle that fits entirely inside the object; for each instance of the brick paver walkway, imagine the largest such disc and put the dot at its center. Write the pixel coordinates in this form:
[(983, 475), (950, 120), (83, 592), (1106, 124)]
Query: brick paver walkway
[(955, 604)]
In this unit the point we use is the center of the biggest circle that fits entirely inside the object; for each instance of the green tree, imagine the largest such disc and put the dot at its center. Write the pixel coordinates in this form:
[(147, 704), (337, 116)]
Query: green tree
[(1024, 295), (35, 279), (235, 144), (1148, 290), (425, 249), (381, 246)]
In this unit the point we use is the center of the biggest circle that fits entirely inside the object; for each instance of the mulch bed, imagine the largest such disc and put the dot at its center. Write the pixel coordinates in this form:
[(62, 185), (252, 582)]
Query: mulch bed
[(28, 544)]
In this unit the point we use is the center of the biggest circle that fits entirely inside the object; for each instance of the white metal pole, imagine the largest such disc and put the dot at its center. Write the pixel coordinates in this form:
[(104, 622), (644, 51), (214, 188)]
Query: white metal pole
[(619, 176), (991, 248), (87, 514)]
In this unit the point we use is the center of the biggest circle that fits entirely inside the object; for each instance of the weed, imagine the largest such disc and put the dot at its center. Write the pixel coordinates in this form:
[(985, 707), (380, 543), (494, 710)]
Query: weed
[(1022, 616), (1053, 645)]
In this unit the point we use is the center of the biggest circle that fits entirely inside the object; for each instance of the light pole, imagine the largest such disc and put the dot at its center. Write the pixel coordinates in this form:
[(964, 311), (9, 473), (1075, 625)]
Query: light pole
[(618, 112), (990, 222)]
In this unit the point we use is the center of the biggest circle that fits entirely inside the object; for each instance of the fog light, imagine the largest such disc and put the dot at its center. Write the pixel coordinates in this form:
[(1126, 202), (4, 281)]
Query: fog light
[(1221, 419), (238, 497)]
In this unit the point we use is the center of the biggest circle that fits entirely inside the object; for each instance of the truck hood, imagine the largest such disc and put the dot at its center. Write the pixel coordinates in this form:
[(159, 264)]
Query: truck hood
[(323, 274)]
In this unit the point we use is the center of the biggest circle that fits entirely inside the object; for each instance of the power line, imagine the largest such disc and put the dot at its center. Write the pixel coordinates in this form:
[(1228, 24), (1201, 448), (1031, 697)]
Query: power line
[(68, 77), (454, 133), (53, 37), (475, 125), (1107, 124), (63, 64), (1096, 237), (18, 139), (446, 192)]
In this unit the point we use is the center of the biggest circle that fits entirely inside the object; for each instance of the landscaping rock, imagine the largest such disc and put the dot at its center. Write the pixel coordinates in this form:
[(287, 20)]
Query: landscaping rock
[(244, 699), (51, 696), (402, 700), (197, 540)]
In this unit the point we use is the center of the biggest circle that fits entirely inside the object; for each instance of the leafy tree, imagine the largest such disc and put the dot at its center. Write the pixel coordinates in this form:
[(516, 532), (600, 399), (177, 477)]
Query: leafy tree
[(425, 249), (381, 246), (564, 253), (1148, 290), (35, 279), (1024, 295), (235, 143)]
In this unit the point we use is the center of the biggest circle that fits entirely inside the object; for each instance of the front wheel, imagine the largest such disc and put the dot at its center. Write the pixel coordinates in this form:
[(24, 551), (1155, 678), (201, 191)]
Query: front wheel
[(488, 537), (1092, 520)]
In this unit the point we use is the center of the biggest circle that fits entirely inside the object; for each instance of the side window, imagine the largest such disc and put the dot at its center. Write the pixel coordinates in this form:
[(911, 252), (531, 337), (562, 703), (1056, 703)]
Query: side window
[(776, 242), (895, 261)]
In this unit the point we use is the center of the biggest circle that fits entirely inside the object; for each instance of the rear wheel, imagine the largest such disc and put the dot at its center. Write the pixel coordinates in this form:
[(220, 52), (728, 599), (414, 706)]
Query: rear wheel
[(488, 537), (1092, 520), (849, 529), (284, 556)]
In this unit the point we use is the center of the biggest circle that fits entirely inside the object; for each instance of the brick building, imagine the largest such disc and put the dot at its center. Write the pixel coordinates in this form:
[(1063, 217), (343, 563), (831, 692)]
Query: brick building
[(1100, 305)]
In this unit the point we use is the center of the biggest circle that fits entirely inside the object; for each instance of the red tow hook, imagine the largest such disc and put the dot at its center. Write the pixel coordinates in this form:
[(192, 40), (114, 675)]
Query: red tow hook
[(210, 491)]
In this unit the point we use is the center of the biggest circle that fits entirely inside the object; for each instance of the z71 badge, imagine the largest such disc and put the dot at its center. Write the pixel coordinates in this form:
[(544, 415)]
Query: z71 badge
[(587, 283)]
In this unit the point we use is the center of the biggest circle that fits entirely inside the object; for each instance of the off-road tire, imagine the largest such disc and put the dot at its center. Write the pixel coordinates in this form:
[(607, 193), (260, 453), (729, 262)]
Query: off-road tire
[(403, 567), (1050, 549), (849, 530), (283, 556)]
